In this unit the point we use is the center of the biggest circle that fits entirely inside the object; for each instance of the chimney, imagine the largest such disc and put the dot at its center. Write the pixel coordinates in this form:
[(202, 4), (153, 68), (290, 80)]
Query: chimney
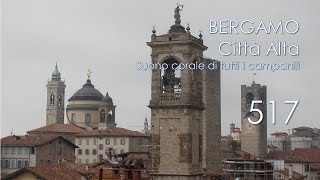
[(290, 172)]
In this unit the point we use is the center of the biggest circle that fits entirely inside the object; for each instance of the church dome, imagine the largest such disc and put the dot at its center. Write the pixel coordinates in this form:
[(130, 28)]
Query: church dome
[(107, 99), (87, 92)]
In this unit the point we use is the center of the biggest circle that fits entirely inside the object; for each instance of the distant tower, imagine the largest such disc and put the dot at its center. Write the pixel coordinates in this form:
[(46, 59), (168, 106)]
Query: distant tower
[(146, 126), (55, 98), (109, 112), (253, 137), (232, 128), (180, 143)]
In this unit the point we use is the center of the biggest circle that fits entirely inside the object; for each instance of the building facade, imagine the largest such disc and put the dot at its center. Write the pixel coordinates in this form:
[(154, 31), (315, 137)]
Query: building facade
[(55, 98), (88, 108), (30, 151), (185, 106), (97, 145), (254, 136)]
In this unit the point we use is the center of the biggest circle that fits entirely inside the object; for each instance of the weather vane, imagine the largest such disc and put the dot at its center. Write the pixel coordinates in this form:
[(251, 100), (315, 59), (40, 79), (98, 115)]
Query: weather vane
[(89, 73)]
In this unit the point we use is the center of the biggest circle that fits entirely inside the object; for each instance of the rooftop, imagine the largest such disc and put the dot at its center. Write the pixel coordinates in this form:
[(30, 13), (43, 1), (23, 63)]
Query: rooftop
[(57, 128), (30, 140), (60, 171), (115, 132)]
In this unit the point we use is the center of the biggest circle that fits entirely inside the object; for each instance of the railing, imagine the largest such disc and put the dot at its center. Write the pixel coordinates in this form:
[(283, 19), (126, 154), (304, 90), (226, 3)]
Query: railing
[(170, 97)]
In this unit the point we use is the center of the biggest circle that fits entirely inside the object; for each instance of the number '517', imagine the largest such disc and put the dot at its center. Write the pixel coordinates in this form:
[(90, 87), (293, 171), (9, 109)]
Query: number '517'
[(252, 109)]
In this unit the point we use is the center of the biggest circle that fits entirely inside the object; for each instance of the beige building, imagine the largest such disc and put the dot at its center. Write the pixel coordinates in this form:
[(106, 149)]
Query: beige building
[(30, 151), (88, 108), (96, 145)]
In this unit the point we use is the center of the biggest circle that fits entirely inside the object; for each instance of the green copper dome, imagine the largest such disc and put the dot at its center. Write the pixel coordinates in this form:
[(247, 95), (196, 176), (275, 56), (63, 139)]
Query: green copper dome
[(56, 75)]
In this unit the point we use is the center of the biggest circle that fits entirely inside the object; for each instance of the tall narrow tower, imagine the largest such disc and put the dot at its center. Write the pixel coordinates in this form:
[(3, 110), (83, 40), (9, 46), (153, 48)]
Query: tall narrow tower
[(55, 98), (254, 137), (177, 104)]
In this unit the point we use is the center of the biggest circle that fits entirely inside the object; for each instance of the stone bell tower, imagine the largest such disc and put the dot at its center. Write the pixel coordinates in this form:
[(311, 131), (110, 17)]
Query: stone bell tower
[(254, 137), (55, 98), (177, 104)]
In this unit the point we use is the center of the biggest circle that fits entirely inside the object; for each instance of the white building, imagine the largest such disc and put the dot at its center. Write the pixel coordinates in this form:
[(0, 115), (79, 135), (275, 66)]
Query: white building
[(95, 145)]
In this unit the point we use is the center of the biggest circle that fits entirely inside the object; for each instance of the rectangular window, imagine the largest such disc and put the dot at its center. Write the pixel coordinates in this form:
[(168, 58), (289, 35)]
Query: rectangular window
[(6, 164), (19, 164), (26, 163), (87, 118), (94, 151), (80, 151), (87, 161), (13, 150), (115, 141), (107, 141), (13, 163), (100, 146), (87, 141), (6, 150), (26, 150), (73, 117), (59, 151), (87, 152), (32, 150), (80, 141), (306, 167), (94, 141), (19, 150), (123, 141), (49, 150)]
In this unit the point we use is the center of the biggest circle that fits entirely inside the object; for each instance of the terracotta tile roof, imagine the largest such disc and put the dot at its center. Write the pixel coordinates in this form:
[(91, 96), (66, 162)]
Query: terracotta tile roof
[(305, 155), (115, 132), (56, 172), (298, 155), (33, 140), (58, 128), (279, 134)]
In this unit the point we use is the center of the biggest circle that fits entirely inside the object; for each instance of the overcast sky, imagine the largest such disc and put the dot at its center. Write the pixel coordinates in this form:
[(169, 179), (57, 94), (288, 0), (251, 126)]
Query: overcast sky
[(110, 37)]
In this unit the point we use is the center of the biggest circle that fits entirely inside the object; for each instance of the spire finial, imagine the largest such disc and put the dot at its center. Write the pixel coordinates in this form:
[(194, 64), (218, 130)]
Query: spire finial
[(254, 74), (154, 29), (89, 74), (188, 27), (200, 34), (177, 13)]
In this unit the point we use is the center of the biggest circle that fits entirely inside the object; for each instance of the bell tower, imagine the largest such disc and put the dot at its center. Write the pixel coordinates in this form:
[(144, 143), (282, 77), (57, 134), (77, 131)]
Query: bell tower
[(254, 137), (176, 103), (55, 98)]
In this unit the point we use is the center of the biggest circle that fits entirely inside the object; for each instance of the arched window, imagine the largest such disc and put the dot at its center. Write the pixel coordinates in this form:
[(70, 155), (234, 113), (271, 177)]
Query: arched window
[(171, 77), (110, 116), (59, 101), (102, 116), (52, 99)]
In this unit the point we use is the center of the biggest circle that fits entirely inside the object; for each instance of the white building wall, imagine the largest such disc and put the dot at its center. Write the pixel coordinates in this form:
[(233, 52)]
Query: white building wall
[(15, 158), (102, 146)]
